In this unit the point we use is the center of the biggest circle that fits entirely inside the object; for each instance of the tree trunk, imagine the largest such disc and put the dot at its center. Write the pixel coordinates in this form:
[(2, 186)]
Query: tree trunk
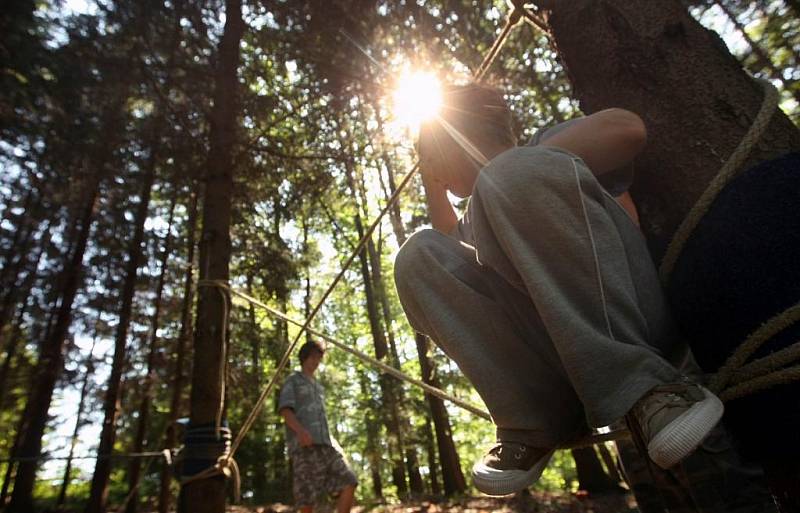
[(693, 95), (207, 397), (389, 400), (398, 393), (452, 476), (706, 101), (12, 345), (178, 372), (610, 463), (51, 361), (98, 494), (62, 494), (591, 476), (143, 418), (433, 472)]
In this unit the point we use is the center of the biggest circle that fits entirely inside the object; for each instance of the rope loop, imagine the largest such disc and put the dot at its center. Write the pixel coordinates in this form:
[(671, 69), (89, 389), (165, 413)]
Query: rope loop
[(207, 454)]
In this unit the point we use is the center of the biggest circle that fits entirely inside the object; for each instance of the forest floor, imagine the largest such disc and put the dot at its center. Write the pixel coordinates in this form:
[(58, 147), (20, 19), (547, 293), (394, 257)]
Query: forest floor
[(535, 502)]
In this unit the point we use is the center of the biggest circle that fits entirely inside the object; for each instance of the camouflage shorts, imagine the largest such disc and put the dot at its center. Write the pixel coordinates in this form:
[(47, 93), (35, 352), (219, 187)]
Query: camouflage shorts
[(319, 470)]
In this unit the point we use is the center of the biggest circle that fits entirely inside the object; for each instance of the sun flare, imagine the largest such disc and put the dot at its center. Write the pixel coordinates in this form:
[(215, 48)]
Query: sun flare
[(417, 98)]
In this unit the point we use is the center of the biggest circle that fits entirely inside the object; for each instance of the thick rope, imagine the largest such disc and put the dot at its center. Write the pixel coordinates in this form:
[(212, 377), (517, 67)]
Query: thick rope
[(728, 171), (756, 376), (736, 378)]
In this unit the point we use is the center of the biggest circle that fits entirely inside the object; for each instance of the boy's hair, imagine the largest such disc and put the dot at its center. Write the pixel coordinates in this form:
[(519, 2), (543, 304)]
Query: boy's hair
[(479, 112), (308, 348)]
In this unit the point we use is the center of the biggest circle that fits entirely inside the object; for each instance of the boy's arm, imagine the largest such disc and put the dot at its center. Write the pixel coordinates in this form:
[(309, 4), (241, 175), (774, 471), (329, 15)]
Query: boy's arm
[(443, 216), (606, 140), (303, 436)]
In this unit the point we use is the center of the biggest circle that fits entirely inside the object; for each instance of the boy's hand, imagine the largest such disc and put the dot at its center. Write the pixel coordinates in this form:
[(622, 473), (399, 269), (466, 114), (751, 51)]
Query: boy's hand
[(304, 438)]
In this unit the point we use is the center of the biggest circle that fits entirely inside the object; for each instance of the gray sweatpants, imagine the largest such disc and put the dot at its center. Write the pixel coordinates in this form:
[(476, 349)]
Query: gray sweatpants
[(556, 314)]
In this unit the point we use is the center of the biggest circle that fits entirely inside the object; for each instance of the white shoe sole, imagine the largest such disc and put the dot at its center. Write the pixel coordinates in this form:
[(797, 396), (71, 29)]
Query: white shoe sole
[(496, 482), (682, 436)]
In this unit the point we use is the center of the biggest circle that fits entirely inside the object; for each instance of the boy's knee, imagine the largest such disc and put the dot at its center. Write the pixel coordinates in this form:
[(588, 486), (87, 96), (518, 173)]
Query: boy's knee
[(413, 255), (528, 174)]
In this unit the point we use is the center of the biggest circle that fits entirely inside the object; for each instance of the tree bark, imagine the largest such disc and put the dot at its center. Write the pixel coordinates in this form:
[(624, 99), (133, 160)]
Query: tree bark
[(143, 418), (175, 409), (98, 494), (452, 476), (207, 399), (391, 417), (693, 95), (62, 494), (591, 476), (51, 360)]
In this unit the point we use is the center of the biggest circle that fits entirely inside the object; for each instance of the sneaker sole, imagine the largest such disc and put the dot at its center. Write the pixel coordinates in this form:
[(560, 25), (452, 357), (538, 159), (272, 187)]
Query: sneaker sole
[(682, 436), (504, 482)]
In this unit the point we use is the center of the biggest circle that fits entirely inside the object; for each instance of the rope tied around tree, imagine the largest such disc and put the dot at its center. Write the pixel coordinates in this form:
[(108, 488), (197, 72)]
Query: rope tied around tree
[(737, 378), (206, 443)]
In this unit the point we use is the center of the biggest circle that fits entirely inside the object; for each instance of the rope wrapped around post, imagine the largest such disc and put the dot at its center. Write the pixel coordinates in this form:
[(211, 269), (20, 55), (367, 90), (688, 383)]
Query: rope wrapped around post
[(209, 443)]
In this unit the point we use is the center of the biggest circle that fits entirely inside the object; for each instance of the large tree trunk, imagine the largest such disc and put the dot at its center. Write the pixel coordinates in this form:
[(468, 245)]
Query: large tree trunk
[(98, 494), (693, 95), (180, 351), (696, 100), (51, 360), (208, 495), (143, 418)]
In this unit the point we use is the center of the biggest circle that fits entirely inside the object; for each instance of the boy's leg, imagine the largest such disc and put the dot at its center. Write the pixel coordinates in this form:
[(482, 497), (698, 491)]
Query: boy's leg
[(544, 223), (339, 478), (494, 335)]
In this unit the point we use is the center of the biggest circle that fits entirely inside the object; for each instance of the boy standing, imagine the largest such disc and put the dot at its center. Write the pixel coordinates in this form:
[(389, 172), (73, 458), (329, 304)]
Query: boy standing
[(319, 466)]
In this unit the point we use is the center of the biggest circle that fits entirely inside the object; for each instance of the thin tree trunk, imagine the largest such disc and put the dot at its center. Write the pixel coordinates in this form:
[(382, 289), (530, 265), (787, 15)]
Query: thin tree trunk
[(373, 432), (610, 463), (175, 409), (12, 345), (50, 362), (62, 494), (452, 476), (433, 472), (98, 494), (207, 397), (134, 472), (390, 411), (591, 476)]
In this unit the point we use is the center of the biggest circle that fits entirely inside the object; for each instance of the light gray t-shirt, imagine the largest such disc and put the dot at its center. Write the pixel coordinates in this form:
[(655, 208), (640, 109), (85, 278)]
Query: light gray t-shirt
[(305, 396), (615, 182)]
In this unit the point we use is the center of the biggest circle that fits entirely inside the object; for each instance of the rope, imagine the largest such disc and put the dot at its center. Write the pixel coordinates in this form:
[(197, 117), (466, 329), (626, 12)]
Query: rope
[(512, 19), (735, 378), (198, 446), (728, 171), (166, 454), (760, 374), (437, 392)]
